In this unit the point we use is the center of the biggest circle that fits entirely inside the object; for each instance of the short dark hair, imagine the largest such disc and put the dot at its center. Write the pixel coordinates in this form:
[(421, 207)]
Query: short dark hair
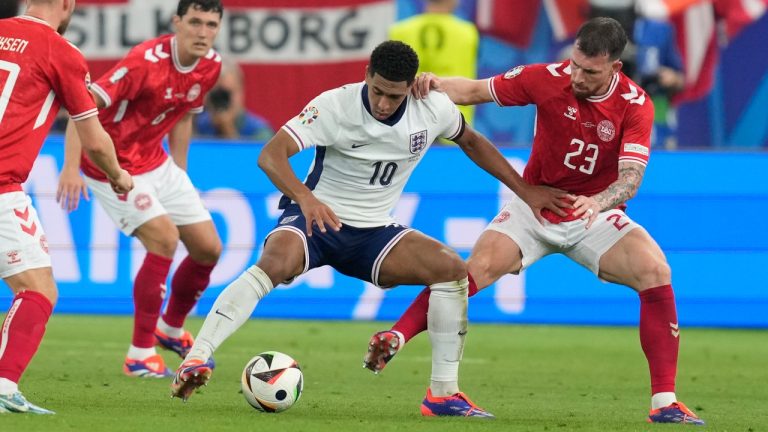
[(600, 36), (203, 5), (394, 61)]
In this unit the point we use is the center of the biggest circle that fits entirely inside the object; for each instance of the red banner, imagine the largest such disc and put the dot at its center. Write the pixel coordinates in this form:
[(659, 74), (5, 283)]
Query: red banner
[(290, 50)]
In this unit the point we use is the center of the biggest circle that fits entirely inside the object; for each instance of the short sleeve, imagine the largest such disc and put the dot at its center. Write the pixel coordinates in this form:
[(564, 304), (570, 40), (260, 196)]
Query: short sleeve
[(451, 122), (124, 81), (70, 80), (638, 123), (517, 86), (316, 124)]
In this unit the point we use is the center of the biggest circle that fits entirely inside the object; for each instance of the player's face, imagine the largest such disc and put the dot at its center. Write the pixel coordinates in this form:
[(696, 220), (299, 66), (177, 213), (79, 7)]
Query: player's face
[(195, 33), (385, 96), (591, 76)]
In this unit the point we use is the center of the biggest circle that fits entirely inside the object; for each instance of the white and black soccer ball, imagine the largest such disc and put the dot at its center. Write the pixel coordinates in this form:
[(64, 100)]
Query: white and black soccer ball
[(272, 382)]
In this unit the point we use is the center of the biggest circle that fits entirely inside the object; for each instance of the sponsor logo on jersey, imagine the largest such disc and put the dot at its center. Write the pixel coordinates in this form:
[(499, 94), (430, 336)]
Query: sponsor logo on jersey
[(44, 243), (193, 92), (309, 115), (571, 114), (118, 75), (13, 257), (288, 219), (142, 201), (606, 131), (418, 141), (636, 148), (503, 216), (513, 72)]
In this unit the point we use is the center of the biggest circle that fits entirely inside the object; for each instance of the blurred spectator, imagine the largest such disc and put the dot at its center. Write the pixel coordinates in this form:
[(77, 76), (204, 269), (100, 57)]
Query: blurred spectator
[(225, 115), (652, 60), (446, 44), (9, 8)]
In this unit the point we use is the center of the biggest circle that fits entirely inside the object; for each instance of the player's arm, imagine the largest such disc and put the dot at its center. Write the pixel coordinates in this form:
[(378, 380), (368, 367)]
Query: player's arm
[(71, 183), (462, 91), (100, 149), (273, 160), (620, 191), (179, 138), (488, 157)]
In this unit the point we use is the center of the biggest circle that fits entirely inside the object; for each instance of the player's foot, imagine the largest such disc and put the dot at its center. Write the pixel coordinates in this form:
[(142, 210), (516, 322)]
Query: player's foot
[(676, 412), (190, 375), (381, 348), (150, 367), (16, 403), (180, 346), (455, 405)]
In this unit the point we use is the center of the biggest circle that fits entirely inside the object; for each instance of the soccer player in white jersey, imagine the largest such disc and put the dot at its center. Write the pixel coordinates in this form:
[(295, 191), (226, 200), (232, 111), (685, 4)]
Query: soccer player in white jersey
[(39, 72), (368, 138), (155, 91)]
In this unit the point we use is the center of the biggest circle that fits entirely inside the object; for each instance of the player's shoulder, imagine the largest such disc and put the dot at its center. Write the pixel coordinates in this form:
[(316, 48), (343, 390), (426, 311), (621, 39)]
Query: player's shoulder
[(630, 93), (342, 96)]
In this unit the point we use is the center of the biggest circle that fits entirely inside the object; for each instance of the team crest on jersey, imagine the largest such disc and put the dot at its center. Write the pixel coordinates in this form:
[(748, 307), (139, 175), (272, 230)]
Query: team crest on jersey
[(513, 72), (503, 216), (142, 201), (193, 92), (418, 141), (606, 131), (309, 115)]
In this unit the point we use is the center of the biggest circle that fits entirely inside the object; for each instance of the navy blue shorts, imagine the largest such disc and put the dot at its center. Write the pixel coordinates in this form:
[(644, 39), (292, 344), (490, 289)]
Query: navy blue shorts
[(356, 252)]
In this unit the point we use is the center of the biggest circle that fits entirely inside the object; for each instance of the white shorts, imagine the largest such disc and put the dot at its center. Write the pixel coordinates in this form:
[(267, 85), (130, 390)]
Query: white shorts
[(22, 240), (165, 190), (585, 246)]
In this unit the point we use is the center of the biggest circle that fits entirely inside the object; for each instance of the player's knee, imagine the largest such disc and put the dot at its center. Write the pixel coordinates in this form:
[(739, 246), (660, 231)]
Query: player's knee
[(209, 254), (278, 269), (454, 267), (654, 273)]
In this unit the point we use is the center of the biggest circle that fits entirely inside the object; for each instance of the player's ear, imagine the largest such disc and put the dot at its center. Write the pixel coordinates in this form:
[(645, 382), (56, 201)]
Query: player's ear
[(175, 22), (617, 65)]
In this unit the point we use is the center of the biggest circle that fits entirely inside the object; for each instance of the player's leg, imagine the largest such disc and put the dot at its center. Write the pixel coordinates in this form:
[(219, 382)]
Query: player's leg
[(620, 251), (418, 259), (285, 256), (188, 283), (26, 269)]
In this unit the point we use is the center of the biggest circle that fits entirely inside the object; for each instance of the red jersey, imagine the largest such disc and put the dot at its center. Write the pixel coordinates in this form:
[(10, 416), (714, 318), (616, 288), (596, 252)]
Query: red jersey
[(39, 72), (146, 93), (578, 143)]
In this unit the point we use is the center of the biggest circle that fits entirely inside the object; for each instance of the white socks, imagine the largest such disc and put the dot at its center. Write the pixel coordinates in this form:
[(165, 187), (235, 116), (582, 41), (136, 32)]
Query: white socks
[(660, 400), (447, 326), (174, 332), (231, 310), (8, 387)]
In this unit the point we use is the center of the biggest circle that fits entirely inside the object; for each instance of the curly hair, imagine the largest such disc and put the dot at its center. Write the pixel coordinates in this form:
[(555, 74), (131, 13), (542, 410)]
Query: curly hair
[(600, 36), (203, 5), (394, 61)]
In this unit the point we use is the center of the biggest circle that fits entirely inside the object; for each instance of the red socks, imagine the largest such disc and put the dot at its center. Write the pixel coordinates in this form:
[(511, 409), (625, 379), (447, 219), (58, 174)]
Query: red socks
[(188, 284), (414, 319), (22, 332), (659, 336), (148, 292)]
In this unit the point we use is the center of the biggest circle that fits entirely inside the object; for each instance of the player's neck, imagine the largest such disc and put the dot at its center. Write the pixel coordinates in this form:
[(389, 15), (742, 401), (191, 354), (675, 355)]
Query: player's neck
[(43, 14)]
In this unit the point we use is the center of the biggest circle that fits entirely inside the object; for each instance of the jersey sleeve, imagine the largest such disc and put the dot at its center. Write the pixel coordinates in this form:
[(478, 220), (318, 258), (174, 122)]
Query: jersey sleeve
[(517, 86), (638, 122), (124, 81), (451, 122), (70, 80), (317, 123), (210, 81)]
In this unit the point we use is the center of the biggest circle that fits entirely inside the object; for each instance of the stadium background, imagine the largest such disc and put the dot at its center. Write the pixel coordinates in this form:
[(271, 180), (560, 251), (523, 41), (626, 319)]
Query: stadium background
[(702, 205)]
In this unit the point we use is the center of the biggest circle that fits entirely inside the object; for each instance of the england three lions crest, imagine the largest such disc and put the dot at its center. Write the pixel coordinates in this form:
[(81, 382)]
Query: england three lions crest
[(418, 141)]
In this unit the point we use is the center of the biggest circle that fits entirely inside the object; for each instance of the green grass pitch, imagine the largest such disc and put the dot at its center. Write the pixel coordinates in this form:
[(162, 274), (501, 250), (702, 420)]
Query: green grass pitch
[(533, 378)]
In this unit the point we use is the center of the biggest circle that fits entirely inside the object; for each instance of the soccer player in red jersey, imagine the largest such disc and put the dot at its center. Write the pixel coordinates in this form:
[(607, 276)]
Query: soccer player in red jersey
[(34, 83), (592, 140), (155, 91)]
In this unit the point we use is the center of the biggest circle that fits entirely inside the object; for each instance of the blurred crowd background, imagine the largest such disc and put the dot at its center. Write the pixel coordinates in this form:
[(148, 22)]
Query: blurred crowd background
[(703, 61)]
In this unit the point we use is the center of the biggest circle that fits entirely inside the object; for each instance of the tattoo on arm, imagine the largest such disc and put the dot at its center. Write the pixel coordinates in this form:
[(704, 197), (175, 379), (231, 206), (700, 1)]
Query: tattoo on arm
[(624, 188)]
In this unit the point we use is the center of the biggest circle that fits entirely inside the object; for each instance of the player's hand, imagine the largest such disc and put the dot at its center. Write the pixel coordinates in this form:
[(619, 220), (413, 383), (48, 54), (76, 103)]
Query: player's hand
[(317, 213), (71, 184), (423, 83), (123, 183), (546, 197), (587, 208)]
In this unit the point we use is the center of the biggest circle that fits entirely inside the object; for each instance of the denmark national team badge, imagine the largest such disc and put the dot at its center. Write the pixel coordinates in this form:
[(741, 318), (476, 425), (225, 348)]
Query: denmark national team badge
[(142, 201), (606, 130), (418, 141), (513, 72), (309, 115), (503, 216), (193, 92)]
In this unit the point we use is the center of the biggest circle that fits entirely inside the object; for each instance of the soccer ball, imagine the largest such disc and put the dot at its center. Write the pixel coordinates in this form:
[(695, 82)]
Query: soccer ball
[(272, 382)]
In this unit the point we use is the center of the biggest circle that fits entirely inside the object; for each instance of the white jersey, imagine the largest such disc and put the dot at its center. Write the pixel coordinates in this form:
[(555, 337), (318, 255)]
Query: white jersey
[(362, 164)]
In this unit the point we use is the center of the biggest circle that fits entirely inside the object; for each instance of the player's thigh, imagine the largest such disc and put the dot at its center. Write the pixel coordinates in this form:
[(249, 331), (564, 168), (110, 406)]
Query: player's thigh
[(637, 261), (131, 210), (178, 195), (494, 255), (420, 260), (34, 279), (23, 245), (202, 241), (285, 255), (158, 235)]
